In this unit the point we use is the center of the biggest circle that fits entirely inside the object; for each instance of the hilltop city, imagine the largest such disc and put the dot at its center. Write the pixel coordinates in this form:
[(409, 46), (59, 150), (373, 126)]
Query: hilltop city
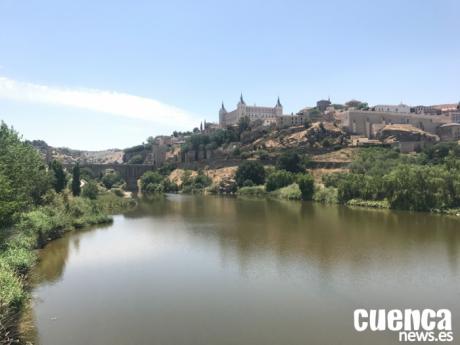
[(406, 128)]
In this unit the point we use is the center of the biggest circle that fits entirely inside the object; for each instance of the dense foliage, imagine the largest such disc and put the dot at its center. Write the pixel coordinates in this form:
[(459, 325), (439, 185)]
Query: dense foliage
[(76, 188), (60, 179), (112, 179), (278, 179), (290, 161), (23, 176), (151, 182), (427, 181), (90, 190), (195, 184), (306, 185), (250, 171), (36, 206)]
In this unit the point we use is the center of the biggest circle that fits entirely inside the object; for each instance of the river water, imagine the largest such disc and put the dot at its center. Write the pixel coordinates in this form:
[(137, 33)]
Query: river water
[(209, 270)]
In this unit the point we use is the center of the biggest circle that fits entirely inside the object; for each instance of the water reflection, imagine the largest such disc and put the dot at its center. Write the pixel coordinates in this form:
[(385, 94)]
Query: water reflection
[(327, 234), (208, 270)]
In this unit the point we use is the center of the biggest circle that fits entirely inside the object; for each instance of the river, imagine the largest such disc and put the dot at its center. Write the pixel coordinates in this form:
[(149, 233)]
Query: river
[(209, 270)]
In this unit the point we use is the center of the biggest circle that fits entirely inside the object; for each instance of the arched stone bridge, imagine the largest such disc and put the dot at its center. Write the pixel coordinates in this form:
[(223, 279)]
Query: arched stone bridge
[(129, 172)]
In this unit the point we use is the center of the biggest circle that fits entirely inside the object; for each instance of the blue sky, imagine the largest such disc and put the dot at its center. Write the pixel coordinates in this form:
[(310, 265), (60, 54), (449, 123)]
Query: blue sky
[(103, 74)]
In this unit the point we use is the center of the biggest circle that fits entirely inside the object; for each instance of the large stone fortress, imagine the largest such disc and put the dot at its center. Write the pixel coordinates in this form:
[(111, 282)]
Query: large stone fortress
[(266, 114)]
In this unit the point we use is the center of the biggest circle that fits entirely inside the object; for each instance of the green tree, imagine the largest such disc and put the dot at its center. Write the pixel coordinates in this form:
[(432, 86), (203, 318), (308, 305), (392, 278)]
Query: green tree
[(136, 159), (290, 161), (418, 188), (111, 179), (90, 190), (60, 180), (151, 182), (314, 114), (244, 124), (250, 170), (76, 189), (24, 179), (307, 186), (278, 179)]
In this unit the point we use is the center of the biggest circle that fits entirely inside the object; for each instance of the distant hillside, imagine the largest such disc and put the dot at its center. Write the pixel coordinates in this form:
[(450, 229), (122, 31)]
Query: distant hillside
[(67, 155)]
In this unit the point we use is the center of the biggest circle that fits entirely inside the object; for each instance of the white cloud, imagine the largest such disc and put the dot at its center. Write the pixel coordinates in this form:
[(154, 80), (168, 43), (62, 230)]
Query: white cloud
[(110, 102)]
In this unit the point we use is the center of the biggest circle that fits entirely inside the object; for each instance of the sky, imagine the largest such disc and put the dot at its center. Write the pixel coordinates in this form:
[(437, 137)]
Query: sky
[(108, 74)]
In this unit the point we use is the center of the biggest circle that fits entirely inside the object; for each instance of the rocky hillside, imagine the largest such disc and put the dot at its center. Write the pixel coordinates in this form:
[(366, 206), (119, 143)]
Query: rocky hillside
[(67, 155)]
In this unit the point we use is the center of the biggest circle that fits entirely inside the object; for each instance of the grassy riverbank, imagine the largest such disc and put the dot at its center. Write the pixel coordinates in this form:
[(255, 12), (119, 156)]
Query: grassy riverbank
[(32, 231), (38, 203)]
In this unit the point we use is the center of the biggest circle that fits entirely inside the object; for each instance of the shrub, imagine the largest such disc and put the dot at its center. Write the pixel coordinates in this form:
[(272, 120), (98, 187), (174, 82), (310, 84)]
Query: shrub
[(225, 186), (255, 191), (326, 195), (245, 155), (195, 184), (90, 190), (248, 183), (151, 177), (11, 293), (118, 192), (151, 182), (112, 179), (279, 179), (306, 185), (250, 170), (368, 203), (290, 161), (153, 188), (169, 186), (263, 154), (19, 258), (201, 181), (291, 192)]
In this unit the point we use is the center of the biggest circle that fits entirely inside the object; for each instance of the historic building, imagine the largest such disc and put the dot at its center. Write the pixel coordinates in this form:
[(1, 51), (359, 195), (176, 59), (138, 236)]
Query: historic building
[(323, 104), (368, 123), (266, 114), (449, 132), (400, 108), (291, 120)]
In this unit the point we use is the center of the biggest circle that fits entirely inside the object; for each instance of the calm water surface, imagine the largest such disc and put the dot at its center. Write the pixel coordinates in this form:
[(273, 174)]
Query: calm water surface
[(209, 270)]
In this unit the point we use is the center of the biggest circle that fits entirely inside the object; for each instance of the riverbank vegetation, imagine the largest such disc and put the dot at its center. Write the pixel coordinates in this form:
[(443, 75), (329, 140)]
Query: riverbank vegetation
[(425, 181), (251, 179), (428, 180), (38, 204)]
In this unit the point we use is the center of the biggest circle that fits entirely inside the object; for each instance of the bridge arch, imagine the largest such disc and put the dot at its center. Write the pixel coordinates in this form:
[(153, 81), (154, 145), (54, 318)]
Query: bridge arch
[(131, 173)]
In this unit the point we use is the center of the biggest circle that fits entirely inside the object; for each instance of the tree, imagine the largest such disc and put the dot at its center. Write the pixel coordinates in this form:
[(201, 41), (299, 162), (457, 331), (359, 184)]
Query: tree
[(136, 159), (314, 113), (90, 190), (279, 179), (250, 170), (76, 189), (243, 124), (151, 181), (111, 178), (24, 179), (60, 180), (307, 186), (363, 106), (290, 161)]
